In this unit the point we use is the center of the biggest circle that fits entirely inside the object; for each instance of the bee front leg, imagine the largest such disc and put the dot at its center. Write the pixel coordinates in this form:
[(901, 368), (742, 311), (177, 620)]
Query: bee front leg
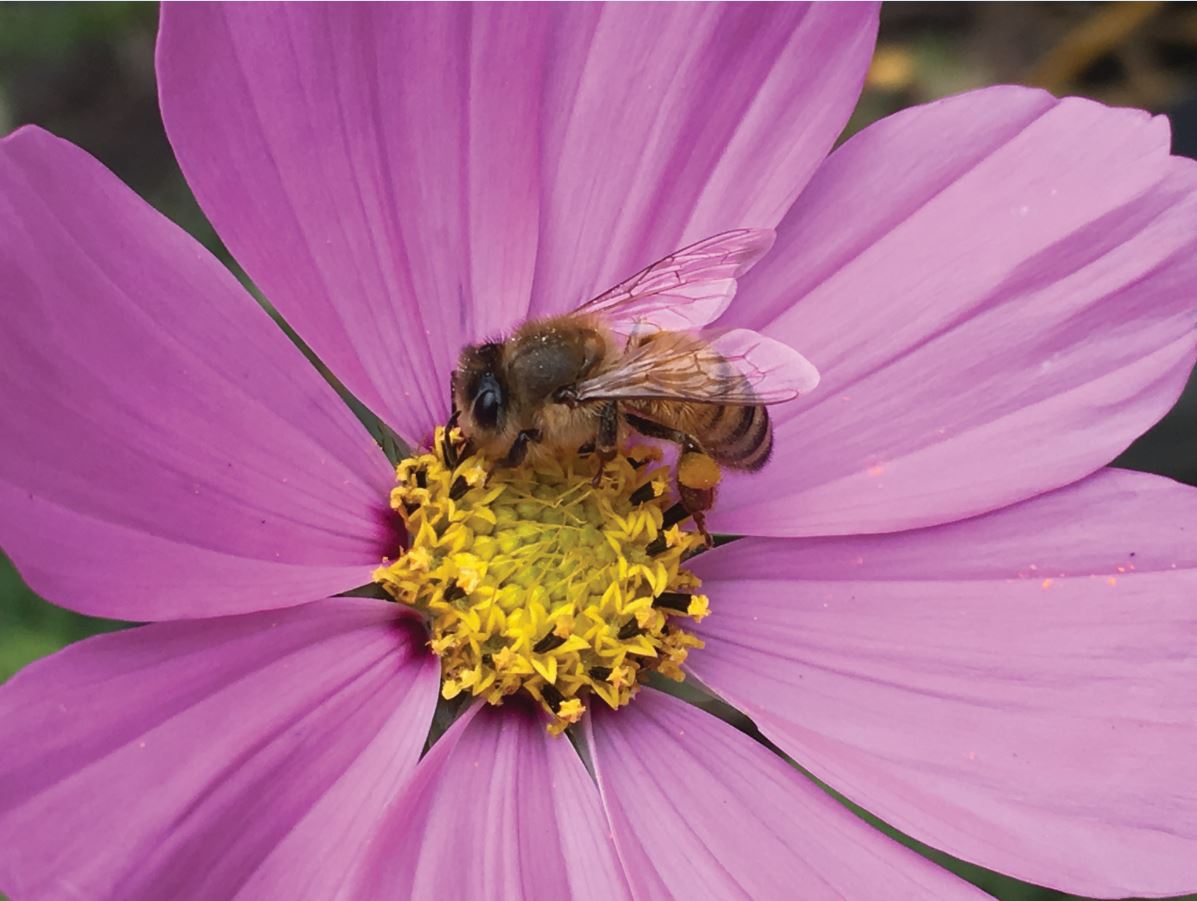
[(519, 448), (452, 454), (606, 440), (451, 423)]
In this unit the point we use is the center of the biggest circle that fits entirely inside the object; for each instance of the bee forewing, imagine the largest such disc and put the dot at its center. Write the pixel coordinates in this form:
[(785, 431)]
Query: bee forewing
[(775, 371), (736, 367), (686, 290)]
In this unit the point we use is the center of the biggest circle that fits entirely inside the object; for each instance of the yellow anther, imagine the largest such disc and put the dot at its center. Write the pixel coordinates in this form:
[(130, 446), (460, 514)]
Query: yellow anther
[(419, 558), (474, 473), (621, 677), (571, 711), (468, 579), (504, 659), (674, 536), (532, 579)]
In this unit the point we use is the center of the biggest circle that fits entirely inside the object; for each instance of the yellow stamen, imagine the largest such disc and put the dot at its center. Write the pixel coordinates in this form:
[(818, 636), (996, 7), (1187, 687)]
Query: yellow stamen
[(533, 579)]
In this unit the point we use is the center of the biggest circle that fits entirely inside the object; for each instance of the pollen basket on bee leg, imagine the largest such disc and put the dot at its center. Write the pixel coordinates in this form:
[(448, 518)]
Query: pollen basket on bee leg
[(537, 579)]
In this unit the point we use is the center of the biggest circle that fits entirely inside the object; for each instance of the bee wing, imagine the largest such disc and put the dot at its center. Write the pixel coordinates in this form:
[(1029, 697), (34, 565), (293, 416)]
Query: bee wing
[(687, 289), (737, 367)]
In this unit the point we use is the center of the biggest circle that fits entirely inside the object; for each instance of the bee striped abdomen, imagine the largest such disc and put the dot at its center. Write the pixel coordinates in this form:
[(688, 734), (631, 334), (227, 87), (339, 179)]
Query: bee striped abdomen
[(738, 437)]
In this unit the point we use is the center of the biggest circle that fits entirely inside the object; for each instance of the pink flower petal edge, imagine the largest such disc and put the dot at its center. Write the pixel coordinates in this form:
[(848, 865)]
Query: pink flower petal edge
[(498, 809), (1016, 689), (700, 810), (996, 290), (410, 179), (166, 451), (248, 756)]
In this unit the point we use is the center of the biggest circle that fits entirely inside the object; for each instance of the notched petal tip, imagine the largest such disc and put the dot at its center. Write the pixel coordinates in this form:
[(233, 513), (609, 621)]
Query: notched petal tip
[(1027, 276), (167, 451)]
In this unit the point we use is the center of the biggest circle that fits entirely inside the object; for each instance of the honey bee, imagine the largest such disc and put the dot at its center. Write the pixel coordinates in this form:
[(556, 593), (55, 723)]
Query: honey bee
[(635, 359)]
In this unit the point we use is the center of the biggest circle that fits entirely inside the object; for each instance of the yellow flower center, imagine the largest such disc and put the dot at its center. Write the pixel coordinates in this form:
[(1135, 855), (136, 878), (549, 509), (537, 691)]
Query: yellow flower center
[(534, 579)]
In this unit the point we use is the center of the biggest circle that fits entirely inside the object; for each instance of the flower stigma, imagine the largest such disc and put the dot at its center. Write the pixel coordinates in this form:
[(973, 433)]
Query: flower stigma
[(534, 579)]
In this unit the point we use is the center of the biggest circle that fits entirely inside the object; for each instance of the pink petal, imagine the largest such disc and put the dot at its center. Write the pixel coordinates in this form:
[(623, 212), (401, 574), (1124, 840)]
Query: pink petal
[(400, 180), (248, 756), (997, 291), (166, 451), (498, 809), (689, 289), (700, 810), (1017, 689), (667, 123)]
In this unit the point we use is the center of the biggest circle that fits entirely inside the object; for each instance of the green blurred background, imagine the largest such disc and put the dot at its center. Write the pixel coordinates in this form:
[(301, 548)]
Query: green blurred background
[(85, 71)]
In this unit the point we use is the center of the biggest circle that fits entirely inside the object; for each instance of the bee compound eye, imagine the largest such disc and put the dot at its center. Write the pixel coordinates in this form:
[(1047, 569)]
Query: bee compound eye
[(486, 407)]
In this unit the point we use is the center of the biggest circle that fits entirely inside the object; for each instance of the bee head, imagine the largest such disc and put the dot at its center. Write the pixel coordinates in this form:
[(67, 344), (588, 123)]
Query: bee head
[(479, 392)]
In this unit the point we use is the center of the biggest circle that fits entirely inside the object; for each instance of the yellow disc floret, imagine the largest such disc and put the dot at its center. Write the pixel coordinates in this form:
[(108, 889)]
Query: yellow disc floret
[(535, 579)]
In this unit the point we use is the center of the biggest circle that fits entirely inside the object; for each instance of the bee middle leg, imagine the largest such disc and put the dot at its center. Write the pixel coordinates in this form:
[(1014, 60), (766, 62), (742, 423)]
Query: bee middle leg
[(696, 473), (606, 439)]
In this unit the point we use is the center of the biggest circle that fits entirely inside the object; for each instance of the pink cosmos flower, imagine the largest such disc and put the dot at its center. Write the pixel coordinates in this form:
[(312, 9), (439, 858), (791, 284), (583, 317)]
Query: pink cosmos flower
[(950, 612)]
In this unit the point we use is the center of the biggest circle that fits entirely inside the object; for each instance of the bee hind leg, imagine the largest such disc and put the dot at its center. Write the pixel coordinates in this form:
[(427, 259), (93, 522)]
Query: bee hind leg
[(697, 502), (696, 473)]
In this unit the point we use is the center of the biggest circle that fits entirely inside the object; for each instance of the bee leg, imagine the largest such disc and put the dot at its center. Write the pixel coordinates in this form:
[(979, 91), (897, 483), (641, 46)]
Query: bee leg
[(697, 501), (519, 447), (696, 473), (606, 439), (448, 452)]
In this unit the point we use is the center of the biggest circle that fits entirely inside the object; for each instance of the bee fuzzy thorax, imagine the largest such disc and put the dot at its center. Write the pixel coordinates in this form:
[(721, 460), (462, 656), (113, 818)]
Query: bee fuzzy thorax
[(539, 579)]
